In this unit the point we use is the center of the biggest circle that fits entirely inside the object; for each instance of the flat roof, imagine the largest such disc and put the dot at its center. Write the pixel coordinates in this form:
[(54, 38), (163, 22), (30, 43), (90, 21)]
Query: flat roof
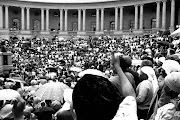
[(68, 1)]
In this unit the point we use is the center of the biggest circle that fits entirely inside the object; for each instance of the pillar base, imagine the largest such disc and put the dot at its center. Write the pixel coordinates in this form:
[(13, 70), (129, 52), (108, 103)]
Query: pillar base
[(63, 33), (99, 32), (27, 32), (118, 32), (4, 34), (45, 32), (81, 33), (4, 31)]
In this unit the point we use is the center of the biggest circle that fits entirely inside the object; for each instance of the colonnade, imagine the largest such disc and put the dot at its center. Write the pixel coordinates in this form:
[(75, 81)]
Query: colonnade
[(63, 18)]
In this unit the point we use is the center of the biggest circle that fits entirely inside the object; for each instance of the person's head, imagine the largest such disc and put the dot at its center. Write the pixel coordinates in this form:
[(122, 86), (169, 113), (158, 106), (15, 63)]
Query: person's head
[(173, 57), (142, 75), (95, 98), (48, 102), (171, 66), (150, 73), (172, 84), (125, 62), (146, 63)]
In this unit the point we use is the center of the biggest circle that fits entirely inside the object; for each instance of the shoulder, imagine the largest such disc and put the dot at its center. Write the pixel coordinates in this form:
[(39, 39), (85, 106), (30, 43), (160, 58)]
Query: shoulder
[(127, 109)]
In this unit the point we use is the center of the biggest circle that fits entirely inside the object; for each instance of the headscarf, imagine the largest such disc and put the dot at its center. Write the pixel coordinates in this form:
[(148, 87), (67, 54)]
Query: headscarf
[(67, 99), (172, 80), (151, 76), (171, 66), (92, 72)]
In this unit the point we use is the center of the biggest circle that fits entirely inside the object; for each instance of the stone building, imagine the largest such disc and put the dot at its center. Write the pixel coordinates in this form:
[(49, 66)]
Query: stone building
[(91, 17)]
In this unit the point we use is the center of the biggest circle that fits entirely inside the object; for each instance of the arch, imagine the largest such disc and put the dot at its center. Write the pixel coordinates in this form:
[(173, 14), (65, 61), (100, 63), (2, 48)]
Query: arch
[(131, 25), (15, 24), (93, 26), (153, 23), (74, 26), (112, 26), (36, 25)]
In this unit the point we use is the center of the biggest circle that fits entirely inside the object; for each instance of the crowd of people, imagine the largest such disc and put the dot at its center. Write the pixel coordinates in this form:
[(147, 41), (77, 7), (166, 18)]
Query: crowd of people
[(107, 78)]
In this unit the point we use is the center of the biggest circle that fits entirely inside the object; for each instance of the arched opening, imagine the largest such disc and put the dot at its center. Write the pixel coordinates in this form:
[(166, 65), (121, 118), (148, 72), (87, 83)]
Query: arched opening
[(36, 25), (93, 26), (15, 24), (153, 23), (75, 26), (112, 26)]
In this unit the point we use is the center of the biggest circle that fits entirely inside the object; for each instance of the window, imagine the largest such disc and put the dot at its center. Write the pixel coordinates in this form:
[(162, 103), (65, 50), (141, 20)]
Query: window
[(15, 24), (112, 25), (153, 23), (75, 26), (36, 25), (93, 26), (132, 24)]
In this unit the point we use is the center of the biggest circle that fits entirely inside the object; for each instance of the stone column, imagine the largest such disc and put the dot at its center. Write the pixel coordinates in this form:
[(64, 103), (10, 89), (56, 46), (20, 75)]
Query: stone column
[(42, 19), (116, 18), (164, 15), (102, 19), (121, 18), (79, 19), (97, 19), (158, 15), (47, 20), (84, 19), (66, 12), (28, 18), (6, 17), (61, 19), (22, 18), (136, 17), (1, 17), (172, 13), (141, 16)]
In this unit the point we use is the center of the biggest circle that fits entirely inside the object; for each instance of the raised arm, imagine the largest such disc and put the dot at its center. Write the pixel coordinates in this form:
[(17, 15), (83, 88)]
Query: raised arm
[(124, 84)]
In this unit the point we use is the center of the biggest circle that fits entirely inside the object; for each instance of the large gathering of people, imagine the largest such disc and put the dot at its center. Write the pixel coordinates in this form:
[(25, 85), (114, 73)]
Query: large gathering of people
[(107, 78)]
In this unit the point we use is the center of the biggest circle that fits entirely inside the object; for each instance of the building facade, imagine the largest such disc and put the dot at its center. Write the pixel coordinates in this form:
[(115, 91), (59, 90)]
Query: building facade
[(115, 18)]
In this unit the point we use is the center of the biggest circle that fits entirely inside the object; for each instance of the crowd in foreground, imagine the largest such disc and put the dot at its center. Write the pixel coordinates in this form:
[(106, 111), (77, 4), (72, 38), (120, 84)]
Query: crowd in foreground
[(103, 78)]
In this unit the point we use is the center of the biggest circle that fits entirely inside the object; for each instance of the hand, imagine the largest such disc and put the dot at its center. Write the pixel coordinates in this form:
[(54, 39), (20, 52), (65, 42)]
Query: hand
[(115, 58)]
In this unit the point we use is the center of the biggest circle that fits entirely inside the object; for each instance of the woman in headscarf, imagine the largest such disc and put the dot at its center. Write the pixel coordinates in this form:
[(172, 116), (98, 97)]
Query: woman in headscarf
[(161, 97), (170, 109), (145, 90), (168, 66)]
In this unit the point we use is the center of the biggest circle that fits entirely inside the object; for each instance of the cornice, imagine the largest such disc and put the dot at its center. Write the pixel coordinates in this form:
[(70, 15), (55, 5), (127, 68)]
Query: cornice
[(110, 4)]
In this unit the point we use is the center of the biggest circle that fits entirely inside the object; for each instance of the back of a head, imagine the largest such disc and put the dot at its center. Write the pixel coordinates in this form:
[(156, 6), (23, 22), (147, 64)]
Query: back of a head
[(125, 62), (146, 63), (95, 98)]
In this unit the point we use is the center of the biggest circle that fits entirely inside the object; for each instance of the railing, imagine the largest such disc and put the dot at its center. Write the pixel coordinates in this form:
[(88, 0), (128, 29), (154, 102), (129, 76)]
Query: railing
[(75, 33), (14, 31), (72, 33), (35, 32), (90, 32), (108, 32), (147, 30), (54, 32), (127, 31)]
